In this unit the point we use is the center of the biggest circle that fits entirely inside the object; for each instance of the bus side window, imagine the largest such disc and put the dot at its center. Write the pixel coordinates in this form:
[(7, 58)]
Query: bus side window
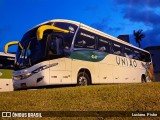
[(128, 52), (103, 45), (6, 62), (148, 57), (85, 39), (1, 66), (55, 45), (1, 62), (137, 55), (117, 49), (143, 56)]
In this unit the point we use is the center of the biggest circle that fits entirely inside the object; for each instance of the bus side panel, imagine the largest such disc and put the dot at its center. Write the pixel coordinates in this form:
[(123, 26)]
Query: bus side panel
[(106, 69), (61, 72), (121, 74), (97, 77), (125, 70), (105, 73)]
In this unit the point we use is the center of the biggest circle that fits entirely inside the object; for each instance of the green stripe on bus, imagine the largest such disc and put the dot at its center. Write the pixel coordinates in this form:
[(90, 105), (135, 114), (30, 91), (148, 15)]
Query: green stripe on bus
[(5, 73), (93, 56)]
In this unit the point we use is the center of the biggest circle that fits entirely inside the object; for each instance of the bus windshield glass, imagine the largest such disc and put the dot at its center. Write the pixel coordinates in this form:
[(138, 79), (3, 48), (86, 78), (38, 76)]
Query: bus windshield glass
[(32, 51)]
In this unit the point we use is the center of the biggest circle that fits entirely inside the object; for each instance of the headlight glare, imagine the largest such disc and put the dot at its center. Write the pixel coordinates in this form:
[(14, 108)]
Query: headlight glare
[(20, 77)]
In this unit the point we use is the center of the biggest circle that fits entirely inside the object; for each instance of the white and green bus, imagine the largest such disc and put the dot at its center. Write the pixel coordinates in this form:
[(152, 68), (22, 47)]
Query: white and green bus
[(6, 68), (64, 52)]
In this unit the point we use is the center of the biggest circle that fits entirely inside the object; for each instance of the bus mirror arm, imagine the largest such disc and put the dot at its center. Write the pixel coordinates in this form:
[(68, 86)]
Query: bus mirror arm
[(10, 44), (43, 28)]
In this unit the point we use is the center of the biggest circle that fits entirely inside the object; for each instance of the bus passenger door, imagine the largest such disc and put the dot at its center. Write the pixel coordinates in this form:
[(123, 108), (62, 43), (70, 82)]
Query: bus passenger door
[(106, 70), (59, 70)]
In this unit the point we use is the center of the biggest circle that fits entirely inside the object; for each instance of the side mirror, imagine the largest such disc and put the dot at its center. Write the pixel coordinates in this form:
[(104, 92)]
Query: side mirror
[(10, 44), (43, 28)]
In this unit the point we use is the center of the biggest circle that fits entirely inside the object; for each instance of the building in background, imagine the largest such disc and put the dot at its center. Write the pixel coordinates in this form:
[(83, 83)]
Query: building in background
[(155, 52), (124, 38)]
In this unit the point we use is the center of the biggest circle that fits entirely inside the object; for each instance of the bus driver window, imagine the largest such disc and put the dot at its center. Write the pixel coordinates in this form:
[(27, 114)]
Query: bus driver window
[(55, 47)]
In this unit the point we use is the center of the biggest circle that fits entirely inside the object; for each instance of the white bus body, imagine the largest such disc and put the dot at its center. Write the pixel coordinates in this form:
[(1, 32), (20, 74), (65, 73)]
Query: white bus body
[(73, 53), (6, 67)]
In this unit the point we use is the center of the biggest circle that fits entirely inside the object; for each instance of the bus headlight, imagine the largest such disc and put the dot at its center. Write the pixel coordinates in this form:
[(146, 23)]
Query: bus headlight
[(20, 77)]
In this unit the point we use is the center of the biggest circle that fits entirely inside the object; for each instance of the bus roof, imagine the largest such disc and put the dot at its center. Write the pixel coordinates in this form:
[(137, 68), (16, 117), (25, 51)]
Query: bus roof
[(92, 30)]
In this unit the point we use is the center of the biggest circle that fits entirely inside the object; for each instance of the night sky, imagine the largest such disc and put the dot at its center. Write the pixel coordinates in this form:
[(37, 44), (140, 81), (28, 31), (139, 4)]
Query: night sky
[(113, 17)]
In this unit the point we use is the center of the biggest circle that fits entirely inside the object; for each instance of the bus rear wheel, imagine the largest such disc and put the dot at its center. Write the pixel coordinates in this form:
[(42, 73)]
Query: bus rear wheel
[(83, 79)]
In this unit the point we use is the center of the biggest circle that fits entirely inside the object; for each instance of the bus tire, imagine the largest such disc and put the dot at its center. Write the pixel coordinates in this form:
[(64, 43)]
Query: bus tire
[(143, 79), (83, 79)]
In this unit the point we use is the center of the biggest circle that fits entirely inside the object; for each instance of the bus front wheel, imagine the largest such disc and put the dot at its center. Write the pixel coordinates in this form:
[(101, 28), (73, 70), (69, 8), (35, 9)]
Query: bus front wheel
[(83, 79)]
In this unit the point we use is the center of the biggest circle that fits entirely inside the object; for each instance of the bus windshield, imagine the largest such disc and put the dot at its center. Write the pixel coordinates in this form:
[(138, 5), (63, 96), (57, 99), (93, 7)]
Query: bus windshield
[(28, 50), (31, 51)]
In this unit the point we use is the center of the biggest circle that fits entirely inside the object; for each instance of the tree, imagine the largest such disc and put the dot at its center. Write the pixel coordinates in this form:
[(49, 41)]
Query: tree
[(138, 35)]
